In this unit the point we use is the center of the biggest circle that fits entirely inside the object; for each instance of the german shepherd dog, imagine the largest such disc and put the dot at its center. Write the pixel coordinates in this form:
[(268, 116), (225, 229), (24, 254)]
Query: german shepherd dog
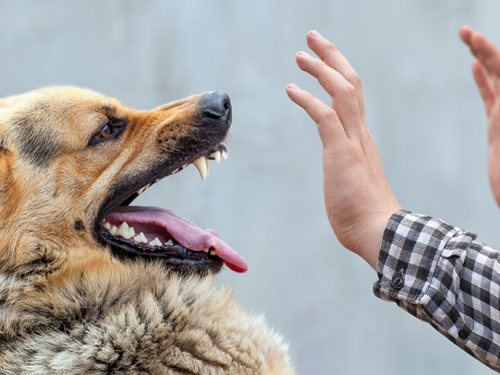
[(92, 285)]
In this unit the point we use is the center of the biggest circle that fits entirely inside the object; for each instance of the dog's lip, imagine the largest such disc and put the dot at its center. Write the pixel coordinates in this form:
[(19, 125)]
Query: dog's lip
[(175, 257)]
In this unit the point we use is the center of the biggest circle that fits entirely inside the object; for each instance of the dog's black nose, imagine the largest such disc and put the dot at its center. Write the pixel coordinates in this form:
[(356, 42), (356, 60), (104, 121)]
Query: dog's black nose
[(216, 105)]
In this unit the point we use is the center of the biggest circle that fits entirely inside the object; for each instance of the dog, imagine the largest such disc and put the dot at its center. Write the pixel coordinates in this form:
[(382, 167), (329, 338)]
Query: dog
[(92, 285)]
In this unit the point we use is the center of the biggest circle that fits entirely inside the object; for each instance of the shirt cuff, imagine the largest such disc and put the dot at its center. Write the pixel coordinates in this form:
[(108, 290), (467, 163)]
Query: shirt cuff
[(410, 249)]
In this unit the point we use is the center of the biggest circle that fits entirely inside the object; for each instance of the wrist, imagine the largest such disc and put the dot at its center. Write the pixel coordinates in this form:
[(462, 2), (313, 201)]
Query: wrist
[(371, 241)]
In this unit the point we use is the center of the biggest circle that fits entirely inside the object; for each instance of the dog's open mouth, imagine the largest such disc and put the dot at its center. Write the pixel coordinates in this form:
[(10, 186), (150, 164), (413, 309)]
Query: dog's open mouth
[(160, 234)]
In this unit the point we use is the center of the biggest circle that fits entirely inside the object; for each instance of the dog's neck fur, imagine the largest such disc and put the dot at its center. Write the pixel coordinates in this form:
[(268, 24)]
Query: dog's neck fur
[(162, 323)]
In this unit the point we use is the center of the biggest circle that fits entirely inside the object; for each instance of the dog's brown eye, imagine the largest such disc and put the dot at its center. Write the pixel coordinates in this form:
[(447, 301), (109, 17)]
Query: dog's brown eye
[(105, 132), (110, 129)]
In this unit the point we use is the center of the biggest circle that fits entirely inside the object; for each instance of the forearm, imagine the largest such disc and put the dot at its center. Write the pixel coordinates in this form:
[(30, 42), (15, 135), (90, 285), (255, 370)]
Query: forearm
[(445, 277)]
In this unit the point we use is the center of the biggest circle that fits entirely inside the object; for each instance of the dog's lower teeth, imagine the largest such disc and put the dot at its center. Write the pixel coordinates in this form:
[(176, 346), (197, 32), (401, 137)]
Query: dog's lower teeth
[(156, 242), (141, 238), (128, 232), (212, 252), (125, 231)]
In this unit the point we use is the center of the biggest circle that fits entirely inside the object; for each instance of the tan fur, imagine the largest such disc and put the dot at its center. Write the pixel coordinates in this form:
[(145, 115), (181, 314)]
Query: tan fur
[(67, 306)]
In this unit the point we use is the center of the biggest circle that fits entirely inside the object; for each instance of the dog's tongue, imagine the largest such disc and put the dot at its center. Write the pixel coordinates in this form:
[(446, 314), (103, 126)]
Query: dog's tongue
[(182, 230)]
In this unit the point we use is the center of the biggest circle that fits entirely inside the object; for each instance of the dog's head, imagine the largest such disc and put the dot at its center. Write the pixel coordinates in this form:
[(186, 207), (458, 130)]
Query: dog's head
[(72, 161)]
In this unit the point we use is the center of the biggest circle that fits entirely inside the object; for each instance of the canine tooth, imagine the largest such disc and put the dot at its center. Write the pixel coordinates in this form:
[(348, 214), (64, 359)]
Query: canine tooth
[(224, 155), (212, 252), (141, 238), (107, 226), (169, 243), (113, 229), (216, 156), (202, 165), (155, 242), (125, 231), (175, 171)]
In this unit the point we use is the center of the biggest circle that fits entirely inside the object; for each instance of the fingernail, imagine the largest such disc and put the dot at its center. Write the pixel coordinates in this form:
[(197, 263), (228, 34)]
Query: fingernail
[(292, 86), (315, 34)]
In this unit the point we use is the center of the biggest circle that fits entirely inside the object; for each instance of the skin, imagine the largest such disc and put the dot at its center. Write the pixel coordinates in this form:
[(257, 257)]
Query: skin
[(358, 199), (486, 72)]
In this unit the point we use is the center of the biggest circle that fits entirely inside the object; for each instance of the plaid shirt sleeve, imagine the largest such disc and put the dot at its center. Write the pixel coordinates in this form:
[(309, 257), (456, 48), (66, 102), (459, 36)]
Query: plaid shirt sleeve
[(443, 276)]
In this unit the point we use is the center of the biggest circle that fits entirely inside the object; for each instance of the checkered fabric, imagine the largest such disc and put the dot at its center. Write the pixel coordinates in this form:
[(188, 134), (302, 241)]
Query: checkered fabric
[(443, 276)]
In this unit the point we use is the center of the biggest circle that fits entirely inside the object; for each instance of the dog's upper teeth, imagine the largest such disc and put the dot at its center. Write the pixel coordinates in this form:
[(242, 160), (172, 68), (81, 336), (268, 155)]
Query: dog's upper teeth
[(202, 165), (155, 242), (206, 251), (125, 231), (169, 243), (216, 155), (140, 191), (212, 252), (141, 238)]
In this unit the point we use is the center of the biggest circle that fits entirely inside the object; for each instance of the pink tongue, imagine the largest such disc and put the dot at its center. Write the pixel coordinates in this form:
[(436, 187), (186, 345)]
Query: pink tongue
[(182, 230)]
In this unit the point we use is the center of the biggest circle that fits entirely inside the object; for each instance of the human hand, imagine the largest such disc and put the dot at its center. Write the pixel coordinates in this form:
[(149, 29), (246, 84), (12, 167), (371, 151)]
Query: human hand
[(486, 72), (357, 196)]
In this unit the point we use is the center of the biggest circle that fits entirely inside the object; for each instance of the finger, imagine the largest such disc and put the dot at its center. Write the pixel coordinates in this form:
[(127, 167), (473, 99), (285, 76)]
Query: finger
[(484, 85), (327, 52), (465, 33), (484, 50), (329, 126), (344, 96)]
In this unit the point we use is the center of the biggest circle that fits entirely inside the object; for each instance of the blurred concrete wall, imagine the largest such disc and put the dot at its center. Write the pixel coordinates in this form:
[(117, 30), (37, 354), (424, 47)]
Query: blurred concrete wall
[(266, 200)]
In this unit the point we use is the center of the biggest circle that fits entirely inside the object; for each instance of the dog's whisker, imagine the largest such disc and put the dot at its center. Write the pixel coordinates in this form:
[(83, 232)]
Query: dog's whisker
[(172, 149)]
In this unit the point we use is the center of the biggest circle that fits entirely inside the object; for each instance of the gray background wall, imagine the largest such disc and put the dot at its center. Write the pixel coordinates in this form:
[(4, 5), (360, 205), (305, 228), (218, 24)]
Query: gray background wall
[(266, 200)]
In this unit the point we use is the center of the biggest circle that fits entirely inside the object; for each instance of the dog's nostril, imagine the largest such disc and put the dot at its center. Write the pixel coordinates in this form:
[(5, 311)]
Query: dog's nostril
[(216, 105)]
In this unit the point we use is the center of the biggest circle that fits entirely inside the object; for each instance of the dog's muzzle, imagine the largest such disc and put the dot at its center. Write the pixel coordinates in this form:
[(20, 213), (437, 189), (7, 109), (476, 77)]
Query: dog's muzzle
[(160, 234)]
